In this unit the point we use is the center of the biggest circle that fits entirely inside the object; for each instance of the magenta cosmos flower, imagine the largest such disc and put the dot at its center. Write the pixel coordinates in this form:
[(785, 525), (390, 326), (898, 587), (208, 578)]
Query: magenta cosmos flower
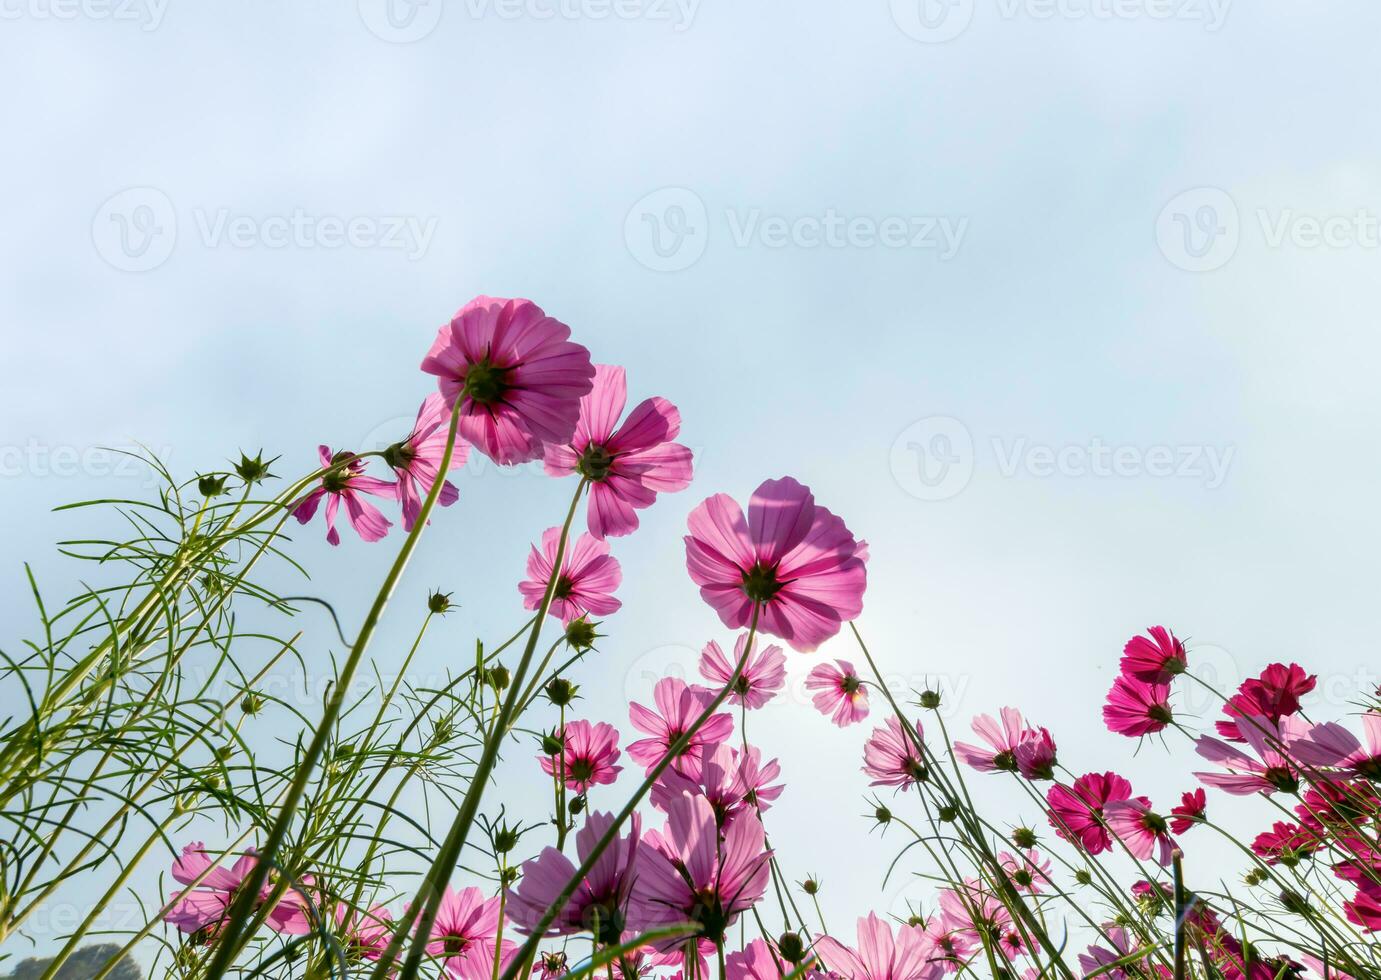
[(1136, 708), (516, 374), (1077, 812), (688, 873), (627, 466), (600, 903), (1274, 695), (792, 558), (347, 482), (589, 576), (975, 911), (588, 755), (678, 706), (1331, 744), (880, 955), (891, 758), (365, 935), (200, 910), (416, 461), (1143, 831), (1012, 746), (1192, 810), (465, 932), (839, 693), (734, 781), (764, 673), (1157, 656)]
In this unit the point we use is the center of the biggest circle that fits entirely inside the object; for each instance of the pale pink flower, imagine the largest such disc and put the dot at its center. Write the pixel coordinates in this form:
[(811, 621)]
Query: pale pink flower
[(1142, 831), (891, 758), (757, 961), (687, 873), (839, 693), (465, 932), (1012, 746), (1097, 958), (365, 935), (347, 482), (791, 558), (627, 466), (879, 954), (600, 903), (973, 910), (947, 944), (678, 706), (1028, 869), (416, 461), (1330, 744), (516, 374), (734, 781), (589, 576), (588, 756), (763, 675), (1269, 771), (202, 909)]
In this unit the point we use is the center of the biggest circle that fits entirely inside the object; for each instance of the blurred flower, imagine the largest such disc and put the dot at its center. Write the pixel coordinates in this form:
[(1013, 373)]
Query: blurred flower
[(792, 558), (202, 909), (764, 674), (756, 961), (734, 781), (589, 576), (588, 756), (366, 934), (1331, 744), (416, 461), (516, 374), (346, 481), (600, 902), (1029, 870), (626, 467), (839, 693)]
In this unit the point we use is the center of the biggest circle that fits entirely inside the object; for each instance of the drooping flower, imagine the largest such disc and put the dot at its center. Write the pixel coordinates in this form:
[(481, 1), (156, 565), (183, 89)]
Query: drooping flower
[(1270, 771), (1136, 708), (1077, 812), (791, 557), (1274, 695), (879, 954), (1331, 744), (201, 910), (1140, 829), (688, 874), (346, 481), (1028, 869), (517, 376), (839, 693), (465, 932), (734, 781), (1154, 658), (763, 675), (1189, 812), (599, 905), (891, 758), (679, 706), (627, 466), (588, 755), (416, 461), (589, 575), (1012, 746), (365, 934)]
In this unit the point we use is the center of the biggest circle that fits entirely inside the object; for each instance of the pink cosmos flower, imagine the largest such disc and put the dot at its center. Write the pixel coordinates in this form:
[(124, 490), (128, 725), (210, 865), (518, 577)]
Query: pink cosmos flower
[(1143, 831), (552, 965), (465, 932), (977, 912), (1189, 812), (347, 482), (1285, 843), (1136, 708), (687, 873), (201, 910), (891, 758), (1154, 658), (516, 374), (1331, 744), (1012, 747), (1028, 869), (1273, 695), (626, 467), (1365, 907), (589, 576), (679, 707), (1271, 770), (416, 461), (763, 675), (365, 935), (946, 944), (880, 955), (792, 558), (732, 780), (600, 903), (757, 961), (1338, 805), (588, 755), (1077, 812), (839, 693), (1098, 958)]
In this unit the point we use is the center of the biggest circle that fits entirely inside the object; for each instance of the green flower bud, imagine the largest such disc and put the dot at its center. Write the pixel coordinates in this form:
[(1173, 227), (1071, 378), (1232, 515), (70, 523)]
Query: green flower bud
[(552, 743), (810, 886), (580, 634), (948, 814), (930, 700), (251, 704), (255, 470), (211, 486), (1024, 837), (560, 691), (882, 815), (1083, 877), (497, 677), (439, 602), (792, 947)]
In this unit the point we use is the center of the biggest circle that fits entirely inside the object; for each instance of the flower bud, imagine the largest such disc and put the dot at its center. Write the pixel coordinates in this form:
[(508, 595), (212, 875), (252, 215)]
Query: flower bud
[(1083, 877), (948, 814), (810, 886), (916, 920), (882, 815), (497, 677), (930, 700), (255, 470), (251, 704), (552, 743), (560, 691), (580, 634), (505, 839), (576, 805), (792, 948), (1024, 837), (439, 602), (210, 485)]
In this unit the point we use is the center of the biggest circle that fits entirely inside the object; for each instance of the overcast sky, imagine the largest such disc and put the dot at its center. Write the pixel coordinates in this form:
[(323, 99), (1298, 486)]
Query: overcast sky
[(1067, 307)]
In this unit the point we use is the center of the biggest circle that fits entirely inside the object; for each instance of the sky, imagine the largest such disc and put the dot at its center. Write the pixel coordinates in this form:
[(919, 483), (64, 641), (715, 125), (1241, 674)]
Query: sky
[(1063, 305)]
